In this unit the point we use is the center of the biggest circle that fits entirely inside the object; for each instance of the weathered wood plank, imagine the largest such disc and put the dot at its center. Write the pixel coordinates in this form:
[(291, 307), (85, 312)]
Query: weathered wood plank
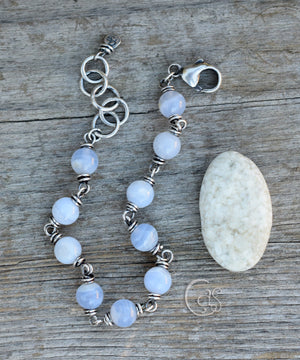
[(43, 116), (255, 47)]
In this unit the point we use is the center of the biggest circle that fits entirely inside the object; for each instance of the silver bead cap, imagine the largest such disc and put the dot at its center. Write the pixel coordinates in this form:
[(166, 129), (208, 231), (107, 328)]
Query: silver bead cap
[(167, 88), (87, 145)]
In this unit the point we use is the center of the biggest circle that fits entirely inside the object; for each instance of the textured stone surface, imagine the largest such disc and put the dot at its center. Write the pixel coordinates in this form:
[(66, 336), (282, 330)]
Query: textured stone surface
[(236, 211)]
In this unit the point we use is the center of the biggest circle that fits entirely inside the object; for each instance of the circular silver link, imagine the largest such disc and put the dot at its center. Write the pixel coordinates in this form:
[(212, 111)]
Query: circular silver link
[(128, 217), (91, 137), (84, 73), (112, 89), (102, 86), (99, 133), (49, 229), (120, 101), (154, 169), (81, 82), (167, 255), (82, 88), (100, 89), (94, 321), (83, 189), (150, 306), (86, 269), (174, 69), (95, 93)]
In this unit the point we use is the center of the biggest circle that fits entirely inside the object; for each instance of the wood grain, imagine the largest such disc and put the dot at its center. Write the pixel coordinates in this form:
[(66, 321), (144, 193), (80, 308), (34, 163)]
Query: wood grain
[(43, 117)]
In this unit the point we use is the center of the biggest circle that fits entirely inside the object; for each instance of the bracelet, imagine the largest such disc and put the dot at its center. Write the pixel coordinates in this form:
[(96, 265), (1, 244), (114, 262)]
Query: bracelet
[(140, 193), (65, 211)]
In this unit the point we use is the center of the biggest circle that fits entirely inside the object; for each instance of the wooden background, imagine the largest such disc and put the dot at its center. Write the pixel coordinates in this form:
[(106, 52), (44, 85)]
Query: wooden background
[(43, 116)]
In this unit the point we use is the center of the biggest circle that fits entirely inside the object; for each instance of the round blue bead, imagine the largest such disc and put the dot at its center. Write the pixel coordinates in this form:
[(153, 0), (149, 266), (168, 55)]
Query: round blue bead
[(144, 237), (67, 250), (84, 161), (166, 145), (123, 313), (89, 296), (140, 193), (157, 280), (171, 103), (65, 211)]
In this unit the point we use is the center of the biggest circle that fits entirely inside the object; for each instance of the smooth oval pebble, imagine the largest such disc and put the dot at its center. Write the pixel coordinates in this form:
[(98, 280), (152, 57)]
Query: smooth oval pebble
[(236, 211)]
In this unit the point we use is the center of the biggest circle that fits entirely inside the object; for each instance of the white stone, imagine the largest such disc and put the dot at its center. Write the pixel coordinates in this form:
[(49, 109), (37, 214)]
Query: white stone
[(236, 211)]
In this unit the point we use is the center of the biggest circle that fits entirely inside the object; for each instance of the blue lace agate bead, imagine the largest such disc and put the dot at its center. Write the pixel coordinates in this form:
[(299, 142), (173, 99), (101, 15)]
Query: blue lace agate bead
[(171, 103), (144, 237), (67, 249), (123, 313), (89, 296), (84, 161), (166, 145), (140, 193), (65, 211), (157, 280)]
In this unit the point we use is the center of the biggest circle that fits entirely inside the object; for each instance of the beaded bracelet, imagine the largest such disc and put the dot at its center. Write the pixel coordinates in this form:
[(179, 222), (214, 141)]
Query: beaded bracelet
[(140, 193)]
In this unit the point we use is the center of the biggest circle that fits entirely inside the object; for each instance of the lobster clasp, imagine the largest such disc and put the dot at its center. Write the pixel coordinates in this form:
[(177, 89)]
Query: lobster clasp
[(191, 75)]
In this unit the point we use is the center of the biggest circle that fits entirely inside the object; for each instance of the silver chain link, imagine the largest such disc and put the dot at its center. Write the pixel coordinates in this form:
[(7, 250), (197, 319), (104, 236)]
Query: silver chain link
[(107, 107)]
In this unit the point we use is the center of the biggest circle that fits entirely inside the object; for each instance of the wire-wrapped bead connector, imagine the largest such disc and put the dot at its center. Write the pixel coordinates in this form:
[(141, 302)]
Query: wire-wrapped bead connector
[(79, 261), (132, 226), (76, 199), (55, 237), (149, 180), (157, 248), (158, 160), (154, 296), (84, 178), (139, 309), (107, 319)]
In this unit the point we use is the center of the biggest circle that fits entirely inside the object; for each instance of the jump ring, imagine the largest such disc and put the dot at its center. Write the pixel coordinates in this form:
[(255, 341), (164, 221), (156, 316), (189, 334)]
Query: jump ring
[(114, 131), (81, 82), (84, 72), (101, 88), (120, 101), (94, 94)]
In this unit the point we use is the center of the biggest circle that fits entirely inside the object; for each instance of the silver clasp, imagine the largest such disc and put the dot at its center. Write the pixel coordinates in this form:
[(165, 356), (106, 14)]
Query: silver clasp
[(191, 75)]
